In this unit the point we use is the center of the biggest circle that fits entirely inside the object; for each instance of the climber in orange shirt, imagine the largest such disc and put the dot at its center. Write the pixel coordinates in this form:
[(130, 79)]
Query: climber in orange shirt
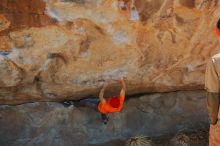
[(111, 104)]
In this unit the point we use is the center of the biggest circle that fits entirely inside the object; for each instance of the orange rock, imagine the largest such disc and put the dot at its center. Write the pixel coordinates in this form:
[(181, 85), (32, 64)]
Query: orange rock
[(165, 50), (4, 23), (24, 14)]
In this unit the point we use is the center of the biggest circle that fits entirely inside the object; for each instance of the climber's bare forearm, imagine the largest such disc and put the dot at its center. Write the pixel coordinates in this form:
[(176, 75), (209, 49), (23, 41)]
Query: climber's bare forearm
[(102, 91), (122, 92), (101, 94)]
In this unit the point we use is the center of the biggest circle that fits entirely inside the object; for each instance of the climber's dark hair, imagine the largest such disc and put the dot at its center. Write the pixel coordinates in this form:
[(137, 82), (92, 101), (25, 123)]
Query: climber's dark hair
[(218, 24)]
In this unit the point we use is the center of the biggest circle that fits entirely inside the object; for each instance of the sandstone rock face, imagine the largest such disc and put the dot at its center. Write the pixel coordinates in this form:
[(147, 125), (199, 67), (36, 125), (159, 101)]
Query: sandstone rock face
[(158, 45), (52, 124), (23, 14)]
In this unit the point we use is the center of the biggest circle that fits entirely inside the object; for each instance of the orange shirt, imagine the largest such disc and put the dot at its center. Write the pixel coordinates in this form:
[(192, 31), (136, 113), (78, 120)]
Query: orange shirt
[(105, 107)]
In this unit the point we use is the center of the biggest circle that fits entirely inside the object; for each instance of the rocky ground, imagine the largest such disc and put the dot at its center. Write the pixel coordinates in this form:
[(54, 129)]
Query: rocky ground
[(152, 115), (196, 138)]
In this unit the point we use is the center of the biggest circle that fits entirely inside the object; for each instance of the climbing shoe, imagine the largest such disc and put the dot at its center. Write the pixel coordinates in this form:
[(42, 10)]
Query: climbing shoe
[(104, 118), (105, 121)]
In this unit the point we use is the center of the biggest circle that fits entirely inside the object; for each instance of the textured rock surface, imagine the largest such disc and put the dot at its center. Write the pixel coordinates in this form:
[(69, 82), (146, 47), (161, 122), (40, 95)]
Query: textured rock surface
[(23, 14), (165, 50), (183, 138), (52, 124)]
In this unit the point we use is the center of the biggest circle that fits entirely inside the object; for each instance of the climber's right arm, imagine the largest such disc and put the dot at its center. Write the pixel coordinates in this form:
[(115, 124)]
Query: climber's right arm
[(102, 91)]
